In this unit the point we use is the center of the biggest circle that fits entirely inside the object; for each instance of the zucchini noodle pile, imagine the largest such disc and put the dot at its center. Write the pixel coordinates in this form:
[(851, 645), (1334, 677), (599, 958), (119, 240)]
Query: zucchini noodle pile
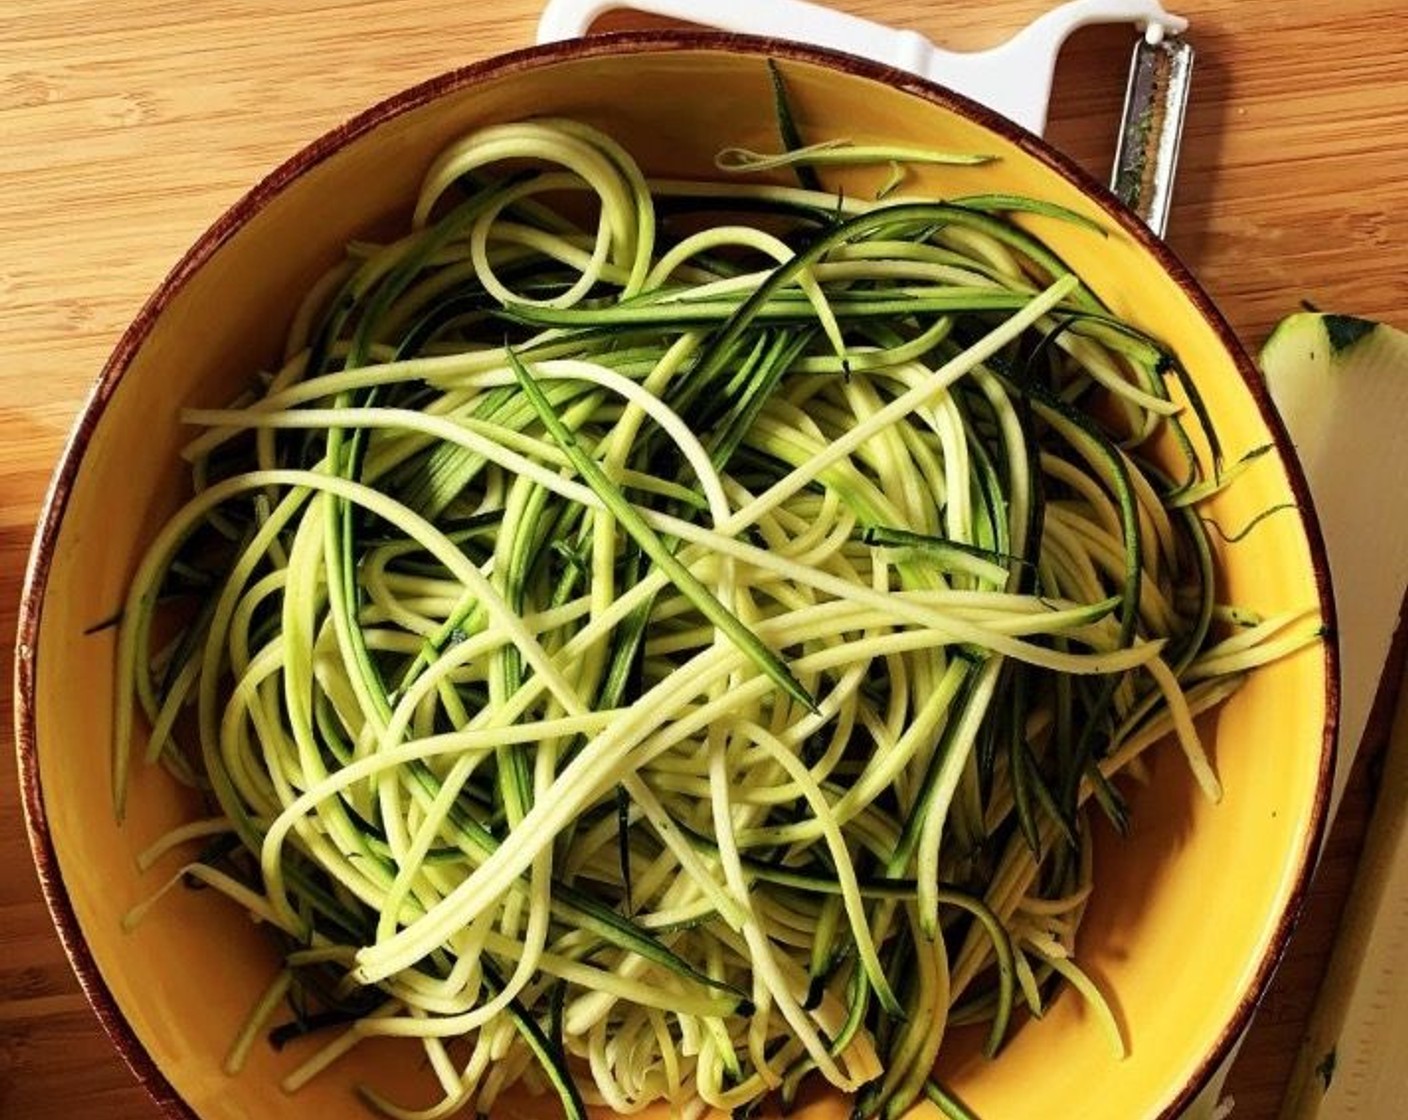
[(657, 641)]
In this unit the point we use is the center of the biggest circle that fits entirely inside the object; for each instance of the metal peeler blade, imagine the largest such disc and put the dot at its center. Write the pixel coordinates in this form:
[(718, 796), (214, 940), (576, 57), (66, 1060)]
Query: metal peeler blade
[(1151, 128)]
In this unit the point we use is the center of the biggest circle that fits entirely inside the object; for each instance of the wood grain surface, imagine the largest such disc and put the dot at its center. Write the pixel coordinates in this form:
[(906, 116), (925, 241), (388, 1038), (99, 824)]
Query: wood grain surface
[(126, 128)]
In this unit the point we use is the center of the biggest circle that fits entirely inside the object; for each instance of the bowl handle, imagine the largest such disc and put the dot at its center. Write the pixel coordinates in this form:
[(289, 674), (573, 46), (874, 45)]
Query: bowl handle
[(1014, 78)]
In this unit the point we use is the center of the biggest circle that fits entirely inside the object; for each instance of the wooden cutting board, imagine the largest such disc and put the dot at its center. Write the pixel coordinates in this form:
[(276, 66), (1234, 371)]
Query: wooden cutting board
[(126, 128)]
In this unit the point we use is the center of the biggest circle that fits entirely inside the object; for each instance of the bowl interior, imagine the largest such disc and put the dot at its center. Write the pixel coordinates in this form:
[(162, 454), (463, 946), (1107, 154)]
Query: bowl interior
[(1188, 908)]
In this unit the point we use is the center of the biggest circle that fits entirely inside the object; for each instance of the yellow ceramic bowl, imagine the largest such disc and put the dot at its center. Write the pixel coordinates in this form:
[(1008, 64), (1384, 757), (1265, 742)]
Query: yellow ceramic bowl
[(1191, 912)]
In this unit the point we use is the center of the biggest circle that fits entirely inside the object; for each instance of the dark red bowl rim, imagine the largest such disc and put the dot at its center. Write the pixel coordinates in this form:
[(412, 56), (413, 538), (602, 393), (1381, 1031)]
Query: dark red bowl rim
[(56, 500)]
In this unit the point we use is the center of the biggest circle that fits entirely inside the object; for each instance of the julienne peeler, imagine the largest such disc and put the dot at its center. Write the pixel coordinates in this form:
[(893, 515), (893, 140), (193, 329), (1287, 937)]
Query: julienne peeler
[(1014, 78)]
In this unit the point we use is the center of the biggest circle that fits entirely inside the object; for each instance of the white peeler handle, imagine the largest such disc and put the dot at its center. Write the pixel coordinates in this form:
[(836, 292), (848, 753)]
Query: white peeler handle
[(1014, 79)]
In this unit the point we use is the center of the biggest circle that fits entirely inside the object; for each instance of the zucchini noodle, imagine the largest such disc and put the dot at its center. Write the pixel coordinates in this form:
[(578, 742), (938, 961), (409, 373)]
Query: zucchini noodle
[(662, 641)]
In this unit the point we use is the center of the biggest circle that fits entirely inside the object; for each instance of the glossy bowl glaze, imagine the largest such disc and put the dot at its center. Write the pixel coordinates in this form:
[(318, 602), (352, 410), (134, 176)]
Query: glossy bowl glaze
[(1191, 912)]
